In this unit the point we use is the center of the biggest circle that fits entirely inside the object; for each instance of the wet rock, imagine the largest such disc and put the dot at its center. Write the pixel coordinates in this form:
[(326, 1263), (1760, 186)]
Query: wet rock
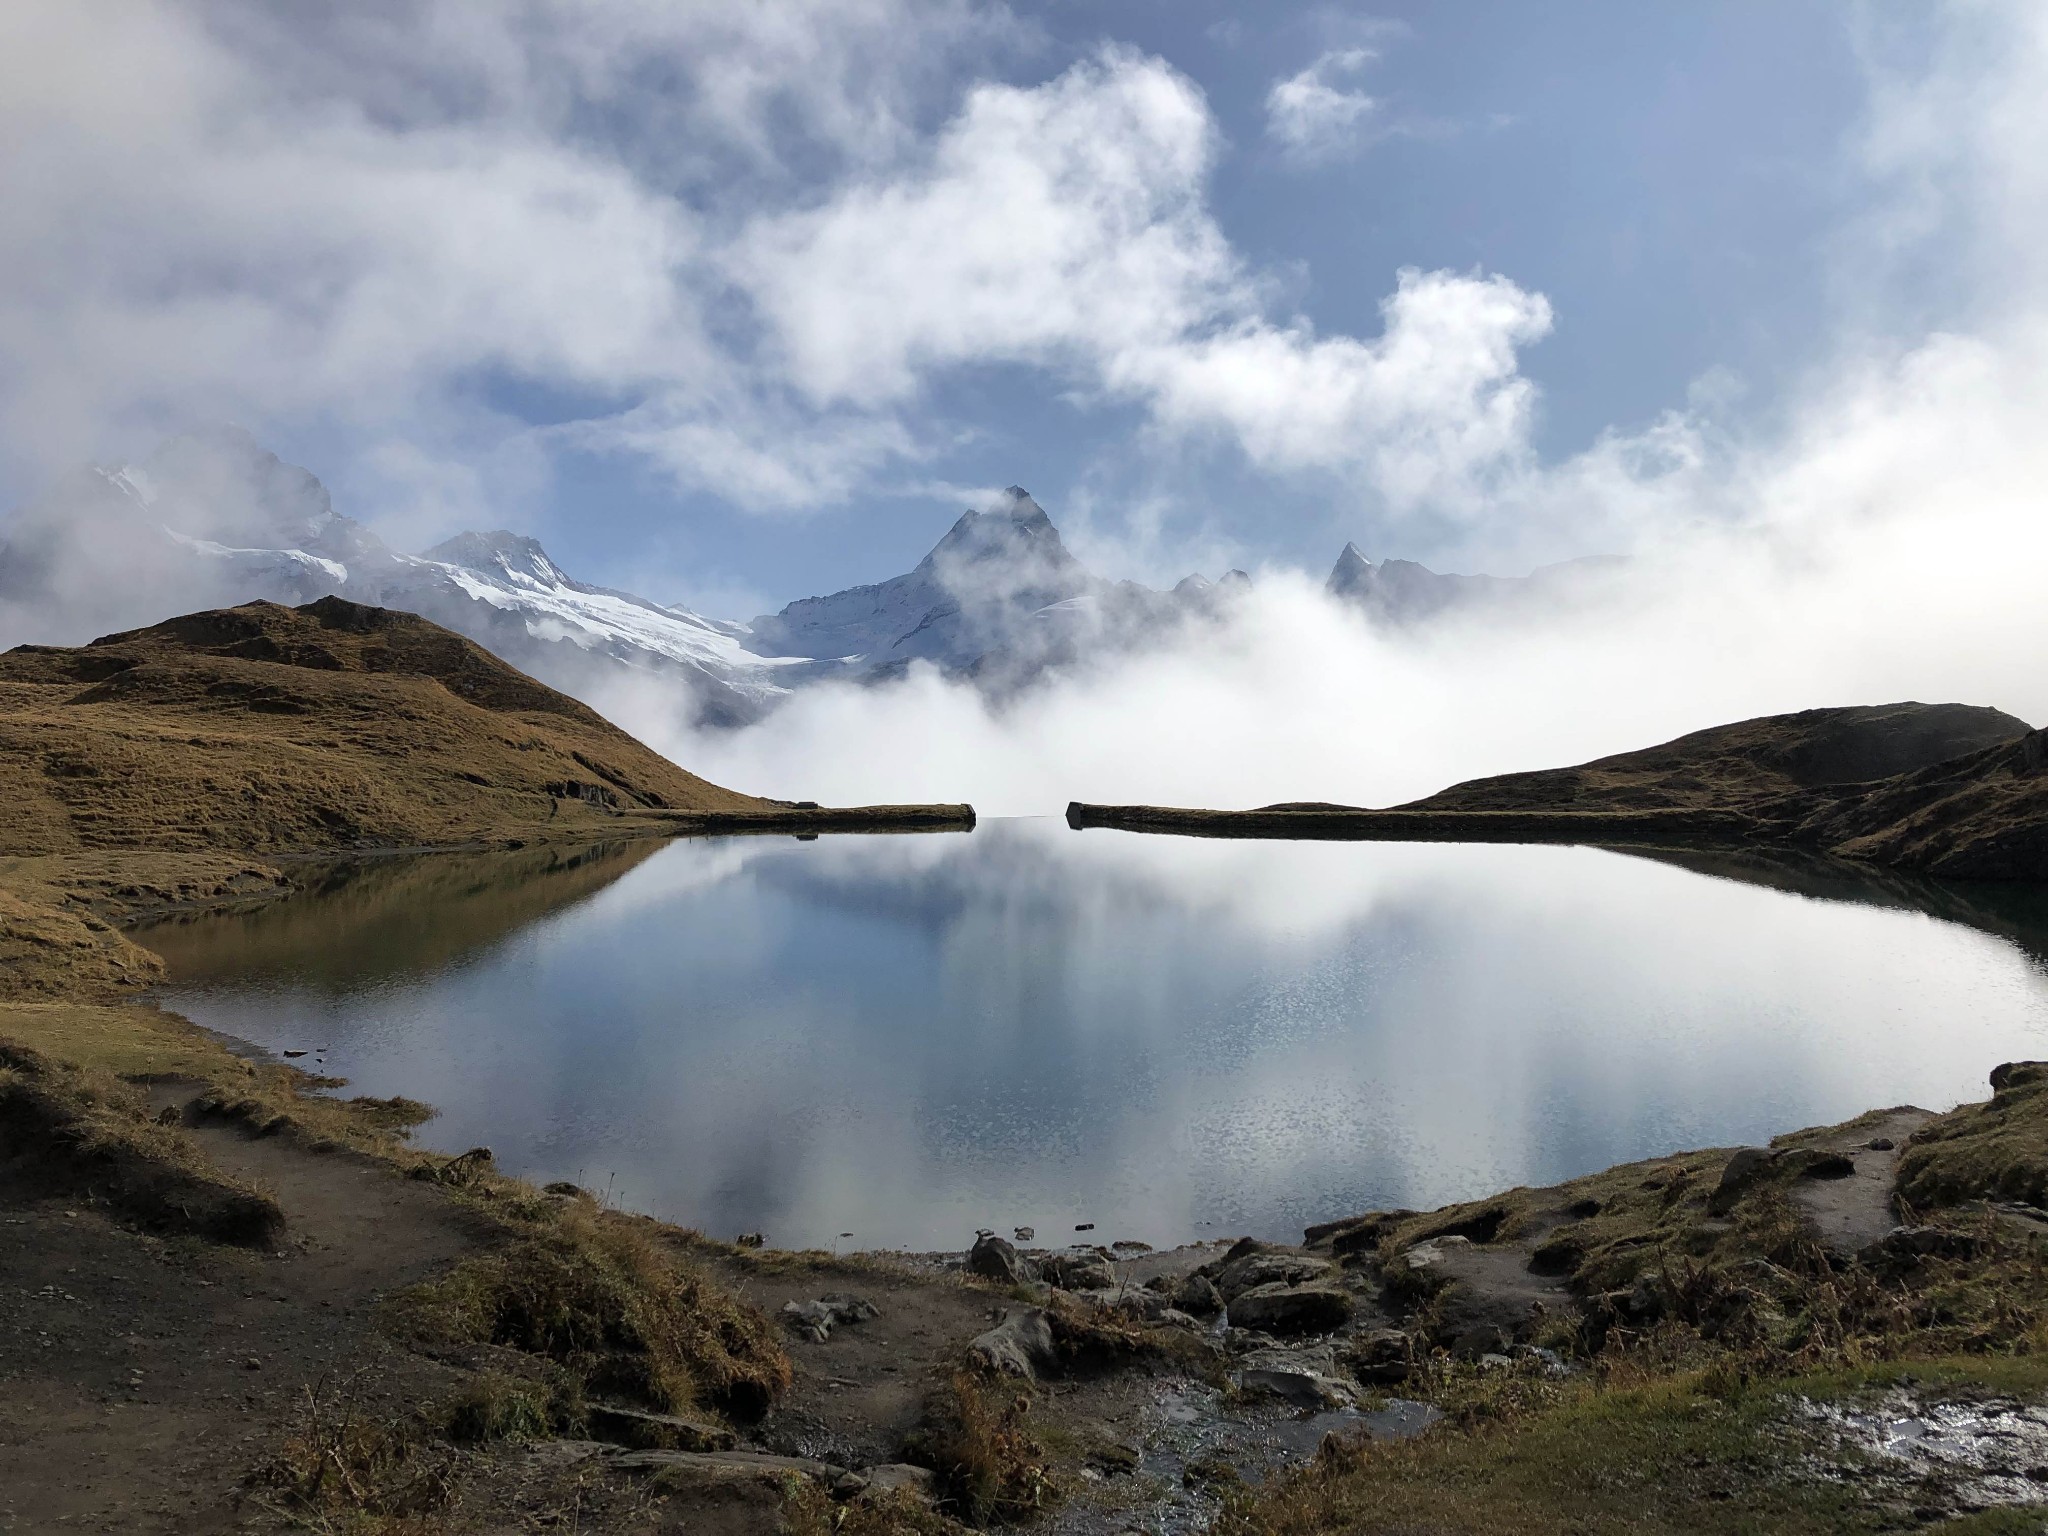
[(657, 1431), (1254, 1271), (1302, 1379), (1384, 1357), (1019, 1345), (994, 1259), (1281, 1308), (815, 1320), (1741, 1173)]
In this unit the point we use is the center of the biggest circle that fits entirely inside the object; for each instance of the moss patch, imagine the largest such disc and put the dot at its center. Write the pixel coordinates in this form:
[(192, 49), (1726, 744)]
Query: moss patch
[(1996, 1150)]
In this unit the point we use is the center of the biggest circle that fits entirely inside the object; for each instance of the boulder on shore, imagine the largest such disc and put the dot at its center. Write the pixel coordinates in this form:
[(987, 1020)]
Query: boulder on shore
[(994, 1259), (1281, 1308)]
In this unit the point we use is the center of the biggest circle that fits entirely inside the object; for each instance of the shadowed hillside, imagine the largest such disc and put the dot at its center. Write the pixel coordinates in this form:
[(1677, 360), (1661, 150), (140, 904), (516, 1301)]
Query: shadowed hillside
[(1731, 765), (1952, 790)]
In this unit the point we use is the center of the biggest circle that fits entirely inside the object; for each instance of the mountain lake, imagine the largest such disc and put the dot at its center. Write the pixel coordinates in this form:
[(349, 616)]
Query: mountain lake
[(891, 1041)]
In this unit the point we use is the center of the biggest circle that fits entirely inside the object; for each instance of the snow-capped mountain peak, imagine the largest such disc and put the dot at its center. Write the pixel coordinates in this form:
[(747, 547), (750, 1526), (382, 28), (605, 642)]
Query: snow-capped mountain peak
[(501, 553)]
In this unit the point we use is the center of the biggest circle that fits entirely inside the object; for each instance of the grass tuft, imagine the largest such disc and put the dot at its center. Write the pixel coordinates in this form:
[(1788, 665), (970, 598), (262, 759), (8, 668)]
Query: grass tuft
[(626, 1315), (991, 1470)]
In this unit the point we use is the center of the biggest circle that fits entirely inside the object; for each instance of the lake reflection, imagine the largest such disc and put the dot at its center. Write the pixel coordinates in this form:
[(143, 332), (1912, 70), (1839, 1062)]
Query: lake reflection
[(907, 1038)]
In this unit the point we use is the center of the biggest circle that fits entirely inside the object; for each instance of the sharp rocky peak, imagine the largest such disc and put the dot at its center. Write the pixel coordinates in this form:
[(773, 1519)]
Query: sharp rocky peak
[(1014, 528), (499, 552)]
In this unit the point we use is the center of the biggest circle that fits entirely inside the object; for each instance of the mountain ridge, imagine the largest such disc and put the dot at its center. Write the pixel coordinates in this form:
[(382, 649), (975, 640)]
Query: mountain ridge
[(213, 519)]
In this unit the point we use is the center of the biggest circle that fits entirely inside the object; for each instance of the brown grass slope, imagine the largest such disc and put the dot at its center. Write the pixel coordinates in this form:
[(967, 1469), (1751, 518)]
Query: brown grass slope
[(334, 725), (1736, 766), (1979, 817), (1953, 790)]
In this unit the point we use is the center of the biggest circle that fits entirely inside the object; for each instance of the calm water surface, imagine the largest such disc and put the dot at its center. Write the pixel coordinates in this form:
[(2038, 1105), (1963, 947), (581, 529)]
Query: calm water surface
[(906, 1038)]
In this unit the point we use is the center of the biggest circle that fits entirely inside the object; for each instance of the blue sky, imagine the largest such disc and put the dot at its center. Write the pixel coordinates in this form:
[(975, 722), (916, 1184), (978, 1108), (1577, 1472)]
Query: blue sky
[(684, 292)]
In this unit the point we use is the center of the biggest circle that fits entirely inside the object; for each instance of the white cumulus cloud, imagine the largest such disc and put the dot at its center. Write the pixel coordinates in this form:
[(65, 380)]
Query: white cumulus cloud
[(749, 244), (1065, 226)]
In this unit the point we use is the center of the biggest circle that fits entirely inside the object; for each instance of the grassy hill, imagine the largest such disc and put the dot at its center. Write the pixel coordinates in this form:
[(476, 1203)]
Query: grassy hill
[(271, 729), (1952, 790), (1729, 766)]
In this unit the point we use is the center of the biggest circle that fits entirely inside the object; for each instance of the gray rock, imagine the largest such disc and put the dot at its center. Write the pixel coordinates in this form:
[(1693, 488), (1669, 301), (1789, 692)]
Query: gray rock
[(657, 1431), (1742, 1170), (1272, 1267), (994, 1259), (901, 1477), (1384, 1357), (1430, 1255), (1302, 1379), (1146, 1306), (1284, 1309), (1019, 1345), (1198, 1296), (815, 1320), (1087, 1271)]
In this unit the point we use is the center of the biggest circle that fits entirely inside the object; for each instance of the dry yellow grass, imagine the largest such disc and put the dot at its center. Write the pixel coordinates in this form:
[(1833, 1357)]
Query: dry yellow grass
[(128, 1041)]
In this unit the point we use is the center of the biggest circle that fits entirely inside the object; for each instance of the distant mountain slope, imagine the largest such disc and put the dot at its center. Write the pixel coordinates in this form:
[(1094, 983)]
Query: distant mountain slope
[(1752, 760), (1403, 592), (999, 599), (263, 728), (213, 519)]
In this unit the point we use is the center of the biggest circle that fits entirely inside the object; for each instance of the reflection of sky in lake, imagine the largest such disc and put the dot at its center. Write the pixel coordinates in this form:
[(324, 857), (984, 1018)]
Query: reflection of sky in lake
[(907, 1038)]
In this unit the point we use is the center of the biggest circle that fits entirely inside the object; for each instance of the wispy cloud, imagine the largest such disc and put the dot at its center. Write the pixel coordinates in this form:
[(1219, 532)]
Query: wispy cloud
[(1321, 112)]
